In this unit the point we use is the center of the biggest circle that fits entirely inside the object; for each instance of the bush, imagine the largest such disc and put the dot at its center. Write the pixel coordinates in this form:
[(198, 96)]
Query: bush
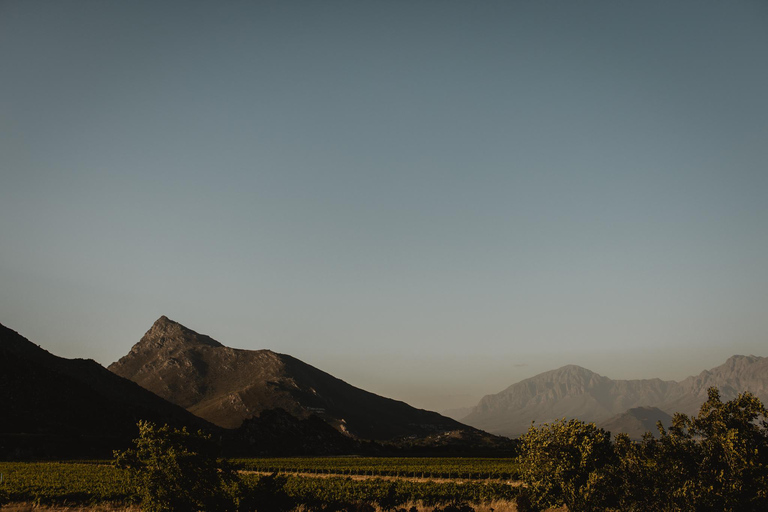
[(733, 453), (266, 495), (392, 499), (648, 474), (177, 471), (566, 463), (716, 461)]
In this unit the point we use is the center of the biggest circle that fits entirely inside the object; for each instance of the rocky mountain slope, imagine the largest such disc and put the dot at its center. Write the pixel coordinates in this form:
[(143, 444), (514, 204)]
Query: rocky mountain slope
[(52, 406), (226, 386), (737, 374), (575, 392)]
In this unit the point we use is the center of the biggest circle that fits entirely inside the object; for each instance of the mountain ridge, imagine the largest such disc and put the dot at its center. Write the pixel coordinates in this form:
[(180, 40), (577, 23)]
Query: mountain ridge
[(573, 391), (227, 386)]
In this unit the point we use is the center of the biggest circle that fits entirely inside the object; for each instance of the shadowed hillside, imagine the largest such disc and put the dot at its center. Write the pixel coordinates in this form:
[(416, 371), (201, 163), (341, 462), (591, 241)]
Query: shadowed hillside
[(52, 406)]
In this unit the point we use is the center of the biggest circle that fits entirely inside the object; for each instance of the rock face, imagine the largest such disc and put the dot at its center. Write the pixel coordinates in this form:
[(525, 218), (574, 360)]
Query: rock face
[(227, 386), (575, 392), (54, 407)]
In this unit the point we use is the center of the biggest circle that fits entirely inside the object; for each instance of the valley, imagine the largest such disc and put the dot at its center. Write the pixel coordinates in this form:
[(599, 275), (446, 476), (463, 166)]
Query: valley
[(316, 442)]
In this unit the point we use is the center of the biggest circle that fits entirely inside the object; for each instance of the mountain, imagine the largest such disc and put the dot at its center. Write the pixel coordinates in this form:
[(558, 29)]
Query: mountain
[(575, 392), (736, 375), (52, 406), (227, 386), (570, 391), (637, 421)]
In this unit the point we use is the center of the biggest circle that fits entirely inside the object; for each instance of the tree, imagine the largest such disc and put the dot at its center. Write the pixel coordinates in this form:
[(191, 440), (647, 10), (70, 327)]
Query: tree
[(731, 454), (656, 474), (566, 463), (716, 461), (176, 470)]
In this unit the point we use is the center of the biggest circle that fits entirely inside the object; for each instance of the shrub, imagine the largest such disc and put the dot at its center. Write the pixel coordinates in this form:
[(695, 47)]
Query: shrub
[(566, 463), (392, 499), (266, 495), (176, 470)]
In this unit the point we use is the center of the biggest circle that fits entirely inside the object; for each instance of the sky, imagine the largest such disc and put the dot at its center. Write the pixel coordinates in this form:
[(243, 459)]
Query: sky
[(431, 200)]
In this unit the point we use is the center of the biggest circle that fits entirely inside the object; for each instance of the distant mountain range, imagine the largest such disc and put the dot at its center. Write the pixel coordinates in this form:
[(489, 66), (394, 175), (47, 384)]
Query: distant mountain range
[(259, 402), (575, 392), (227, 386)]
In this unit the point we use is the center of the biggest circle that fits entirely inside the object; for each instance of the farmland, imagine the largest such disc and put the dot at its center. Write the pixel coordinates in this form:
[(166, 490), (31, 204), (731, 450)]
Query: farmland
[(422, 481), (64, 483), (434, 468)]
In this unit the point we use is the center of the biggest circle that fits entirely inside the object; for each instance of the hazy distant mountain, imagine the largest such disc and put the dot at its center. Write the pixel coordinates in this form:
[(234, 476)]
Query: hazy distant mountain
[(51, 406), (575, 392), (226, 386), (637, 421), (736, 375), (570, 391)]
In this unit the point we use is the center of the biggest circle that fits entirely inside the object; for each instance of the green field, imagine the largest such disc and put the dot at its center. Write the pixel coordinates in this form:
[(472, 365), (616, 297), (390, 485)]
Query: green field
[(78, 483), (64, 483)]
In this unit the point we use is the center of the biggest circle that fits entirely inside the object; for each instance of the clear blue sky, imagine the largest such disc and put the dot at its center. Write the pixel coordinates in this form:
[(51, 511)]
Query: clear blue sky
[(429, 199)]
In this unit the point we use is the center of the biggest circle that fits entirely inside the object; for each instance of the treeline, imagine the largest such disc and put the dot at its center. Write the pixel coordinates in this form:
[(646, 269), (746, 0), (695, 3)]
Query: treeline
[(716, 461)]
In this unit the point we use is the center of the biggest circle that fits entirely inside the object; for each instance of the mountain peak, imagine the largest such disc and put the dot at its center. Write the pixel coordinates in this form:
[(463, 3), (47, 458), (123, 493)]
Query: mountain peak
[(164, 320), (164, 323), (741, 359), (227, 386), (571, 371), (574, 368), (165, 331)]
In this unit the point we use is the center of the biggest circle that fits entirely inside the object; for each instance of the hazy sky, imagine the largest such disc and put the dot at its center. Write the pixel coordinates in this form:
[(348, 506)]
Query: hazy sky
[(431, 200)]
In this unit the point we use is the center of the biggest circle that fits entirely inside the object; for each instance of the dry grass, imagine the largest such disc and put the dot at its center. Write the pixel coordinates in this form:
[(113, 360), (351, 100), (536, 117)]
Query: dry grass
[(495, 506), (31, 507), (513, 483)]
